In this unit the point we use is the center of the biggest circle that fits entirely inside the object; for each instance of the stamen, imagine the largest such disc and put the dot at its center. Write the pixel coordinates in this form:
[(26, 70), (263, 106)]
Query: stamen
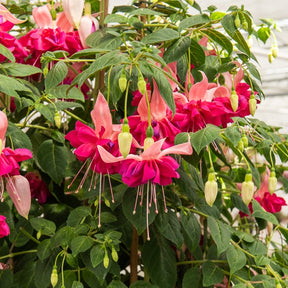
[(164, 200), (84, 178), (136, 200), (153, 189), (100, 189), (147, 213), (91, 181), (69, 186), (2, 189), (112, 195), (141, 193)]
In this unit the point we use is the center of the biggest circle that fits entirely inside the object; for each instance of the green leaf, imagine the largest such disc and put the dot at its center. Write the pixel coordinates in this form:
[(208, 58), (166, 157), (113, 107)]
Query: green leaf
[(197, 53), (138, 220), (44, 249), (97, 254), (81, 244), (175, 51), (66, 92), (16, 138), (77, 284), (19, 70), (161, 35), (220, 234), (169, 226), (194, 20), (204, 137), (219, 38), (236, 259), (239, 204), (145, 11), (142, 284), (191, 230), (233, 134), (262, 260), (211, 274), (12, 86), (256, 248), (159, 259), (52, 159), (116, 284), (115, 18), (47, 227), (56, 75), (62, 237), (7, 53), (48, 111), (259, 212), (76, 216), (192, 278)]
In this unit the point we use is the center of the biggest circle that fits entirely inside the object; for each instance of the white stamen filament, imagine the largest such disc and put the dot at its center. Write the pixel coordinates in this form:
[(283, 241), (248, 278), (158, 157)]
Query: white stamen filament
[(112, 195), (164, 200), (100, 190), (2, 189), (136, 200), (147, 213)]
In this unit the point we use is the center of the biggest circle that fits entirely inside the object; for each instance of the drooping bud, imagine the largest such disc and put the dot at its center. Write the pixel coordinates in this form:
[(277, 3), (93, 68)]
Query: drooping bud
[(247, 190), (244, 140), (54, 276), (114, 254), (234, 100), (53, 14), (272, 182), (148, 142), (106, 259), (122, 82), (141, 85), (270, 57), (245, 25), (237, 21), (39, 234), (57, 120), (125, 141), (211, 189), (252, 104), (240, 145), (274, 50)]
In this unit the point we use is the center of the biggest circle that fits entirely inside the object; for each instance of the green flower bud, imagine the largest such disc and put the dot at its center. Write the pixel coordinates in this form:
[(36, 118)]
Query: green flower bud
[(57, 120), (240, 145), (53, 14), (234, 100), (252, 105), (189, 86), (107, 202), (244, 140), (148, 142), (211, 189), (38, 235), (272, 182), (142, 86), (237, 21), (122, 83), (270, 57), (114, 254), (245, 25), (124, 141), (274, 50), (247, 190), (106, 259), (149, 132), (45, 70), (191, 2), (54, 276)]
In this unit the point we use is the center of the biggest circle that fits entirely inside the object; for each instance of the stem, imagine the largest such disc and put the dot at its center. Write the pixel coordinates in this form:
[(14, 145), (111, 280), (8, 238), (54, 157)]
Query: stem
[(75, 116), (11, 255), (33, 126), (201, 262), (134, 257), (29, 235)]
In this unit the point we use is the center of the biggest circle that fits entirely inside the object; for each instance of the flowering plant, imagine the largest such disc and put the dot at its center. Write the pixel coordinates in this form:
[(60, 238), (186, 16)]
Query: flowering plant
[(129, 151)]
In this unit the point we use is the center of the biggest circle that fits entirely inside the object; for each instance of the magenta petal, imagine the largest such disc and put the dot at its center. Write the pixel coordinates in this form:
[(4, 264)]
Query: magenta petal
[(3, 125), (5, 165), (4, 228), (148, 171), (85, 151), (19, 191)]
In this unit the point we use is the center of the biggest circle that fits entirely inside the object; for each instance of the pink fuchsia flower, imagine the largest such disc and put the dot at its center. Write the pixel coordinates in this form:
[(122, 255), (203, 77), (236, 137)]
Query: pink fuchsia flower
[(88, 24), (17, 186), (161, 117), (42, 16), (73, 10), (154, 166), (38, 187), (7, 19), (4, 228)]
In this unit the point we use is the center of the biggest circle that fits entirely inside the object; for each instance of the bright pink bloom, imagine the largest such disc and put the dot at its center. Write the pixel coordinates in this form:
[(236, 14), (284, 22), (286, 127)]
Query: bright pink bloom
[(153, 165), (73, 10), (161, 117), (7, 19), (38, 187), (4, 228), (17, 186)]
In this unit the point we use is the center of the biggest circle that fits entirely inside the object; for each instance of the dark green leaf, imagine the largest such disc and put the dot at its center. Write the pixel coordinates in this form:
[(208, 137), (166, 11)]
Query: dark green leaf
[(97, 254), (204, 137), (236, 259), (56, 75), (44, 249), (116, 284), (77, 284), (81, 244), (233, 134), (63, 237), (66, 92), (192, 278), (48, 111), (220, 234), (259, 212), (7, 53), (161, 35), (52, 159), (16, 138), (142, 284), (76, 216), (197, 53), (144, 11), (19, 70), (159, 260), (46, 227), (238, 203), (115, 18), (177, 50), (194, 20), (12, 86), (211, 274)]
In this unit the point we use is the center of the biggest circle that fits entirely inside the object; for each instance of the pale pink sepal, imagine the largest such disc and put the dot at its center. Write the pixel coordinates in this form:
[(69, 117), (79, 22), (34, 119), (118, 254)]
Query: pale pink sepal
[(42, 16), (157, 105), (199, 89), (73, 10), (18, 189), (88, 24), (9, 16), (3, 125), (101, 117), (182, 149), (63, 23)]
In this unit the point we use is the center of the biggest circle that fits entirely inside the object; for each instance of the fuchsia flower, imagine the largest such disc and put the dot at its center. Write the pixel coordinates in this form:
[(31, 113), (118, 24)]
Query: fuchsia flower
[(4, 228), (161, 117), (7, 19), (73, 10), (154, 166), (17, 186)]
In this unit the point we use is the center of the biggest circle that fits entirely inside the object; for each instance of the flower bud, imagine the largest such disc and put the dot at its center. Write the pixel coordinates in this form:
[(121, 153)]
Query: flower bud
[(53, 14), (122, 83), (107, 202), (106, 260), (274, 50), (247, 190), (142, 86), (38, 235), (240, 145), (252, 105), (245, 25), (270, 57), (191, 2), (148, 142), (54, 276), (211, 189), (234, 100), (114, 254), (237, 21), (57, 120), (272, 182), (124, 141), (244, 140)]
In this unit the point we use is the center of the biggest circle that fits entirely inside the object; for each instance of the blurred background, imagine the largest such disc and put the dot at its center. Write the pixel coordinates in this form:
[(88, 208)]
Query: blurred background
[(274, 109)]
